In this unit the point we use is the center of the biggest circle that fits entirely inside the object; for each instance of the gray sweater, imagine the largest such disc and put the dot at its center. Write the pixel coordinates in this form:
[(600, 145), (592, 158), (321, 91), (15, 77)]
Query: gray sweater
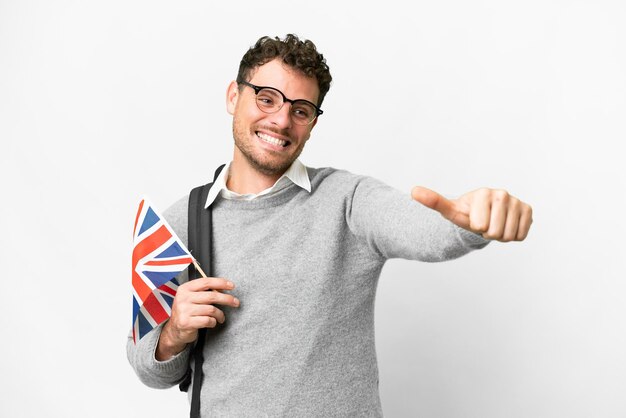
[(306, 267)]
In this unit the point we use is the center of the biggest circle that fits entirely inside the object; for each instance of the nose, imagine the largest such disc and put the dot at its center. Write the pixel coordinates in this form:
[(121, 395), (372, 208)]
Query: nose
[(282, 118)]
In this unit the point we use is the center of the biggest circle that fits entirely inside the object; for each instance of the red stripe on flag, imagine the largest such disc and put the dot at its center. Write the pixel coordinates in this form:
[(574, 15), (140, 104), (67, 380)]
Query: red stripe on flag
[(166, 289), (187, 260), (155, 309), (141, 288), (142, 249), (137, 217)]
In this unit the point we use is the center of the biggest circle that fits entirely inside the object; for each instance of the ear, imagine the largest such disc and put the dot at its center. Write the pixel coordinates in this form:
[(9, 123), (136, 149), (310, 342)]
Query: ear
[(232, 95)]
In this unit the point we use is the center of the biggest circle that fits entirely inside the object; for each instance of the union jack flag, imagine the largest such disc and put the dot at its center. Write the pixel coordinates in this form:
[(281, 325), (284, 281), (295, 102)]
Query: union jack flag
[(158, 257)]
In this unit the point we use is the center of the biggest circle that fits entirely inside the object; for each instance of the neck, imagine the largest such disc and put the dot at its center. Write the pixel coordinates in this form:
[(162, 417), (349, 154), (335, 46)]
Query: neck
[(244, 179)]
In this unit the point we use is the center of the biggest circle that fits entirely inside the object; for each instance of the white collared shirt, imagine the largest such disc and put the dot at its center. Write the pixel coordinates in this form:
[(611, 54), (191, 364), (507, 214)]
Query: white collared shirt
[(296, 173)]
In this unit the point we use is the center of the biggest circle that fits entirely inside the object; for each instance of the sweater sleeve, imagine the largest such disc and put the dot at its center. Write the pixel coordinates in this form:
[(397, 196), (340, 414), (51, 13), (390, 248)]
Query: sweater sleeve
[(395, 226), (153, 373)]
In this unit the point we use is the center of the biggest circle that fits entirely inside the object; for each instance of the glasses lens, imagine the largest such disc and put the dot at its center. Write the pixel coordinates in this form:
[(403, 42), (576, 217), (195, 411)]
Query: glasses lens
[(269, 100), (303, 112)]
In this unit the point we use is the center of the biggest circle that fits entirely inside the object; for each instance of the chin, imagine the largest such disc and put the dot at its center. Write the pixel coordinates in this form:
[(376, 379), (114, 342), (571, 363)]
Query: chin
[(269, 169)]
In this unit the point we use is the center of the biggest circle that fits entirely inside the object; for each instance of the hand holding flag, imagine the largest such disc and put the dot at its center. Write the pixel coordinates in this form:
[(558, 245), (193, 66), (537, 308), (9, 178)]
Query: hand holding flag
[(158, 257)]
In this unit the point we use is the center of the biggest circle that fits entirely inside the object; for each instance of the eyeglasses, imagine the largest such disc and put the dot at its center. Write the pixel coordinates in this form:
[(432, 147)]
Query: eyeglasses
[(271, 100)]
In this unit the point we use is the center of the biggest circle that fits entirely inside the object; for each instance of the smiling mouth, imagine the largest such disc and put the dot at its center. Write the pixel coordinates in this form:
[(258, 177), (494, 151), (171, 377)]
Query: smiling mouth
[(271, 140)]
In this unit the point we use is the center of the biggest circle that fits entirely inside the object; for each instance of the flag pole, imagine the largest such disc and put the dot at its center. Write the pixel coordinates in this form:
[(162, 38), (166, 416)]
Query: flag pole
[(197, 266)]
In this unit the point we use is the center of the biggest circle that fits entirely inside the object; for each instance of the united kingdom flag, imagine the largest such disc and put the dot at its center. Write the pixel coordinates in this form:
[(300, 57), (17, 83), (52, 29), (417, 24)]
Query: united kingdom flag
[(158, 257)]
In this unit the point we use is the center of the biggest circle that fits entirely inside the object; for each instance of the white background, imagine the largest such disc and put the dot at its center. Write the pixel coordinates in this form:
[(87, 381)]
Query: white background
[(103, 102)]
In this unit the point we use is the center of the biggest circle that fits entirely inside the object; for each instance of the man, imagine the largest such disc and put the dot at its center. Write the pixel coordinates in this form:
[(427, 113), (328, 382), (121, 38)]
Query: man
[(297, 255)]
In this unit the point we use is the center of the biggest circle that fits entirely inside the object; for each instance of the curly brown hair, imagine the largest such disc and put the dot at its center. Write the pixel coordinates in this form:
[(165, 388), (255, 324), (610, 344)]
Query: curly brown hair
[(301, 55)]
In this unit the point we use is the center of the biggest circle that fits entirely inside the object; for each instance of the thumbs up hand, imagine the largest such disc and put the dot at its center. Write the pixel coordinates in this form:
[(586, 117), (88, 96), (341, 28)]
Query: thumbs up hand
[(494, 214)]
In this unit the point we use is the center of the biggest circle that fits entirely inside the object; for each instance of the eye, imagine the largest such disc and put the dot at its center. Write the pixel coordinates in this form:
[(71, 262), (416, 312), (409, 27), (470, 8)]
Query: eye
[(303, 111), (268, 98)]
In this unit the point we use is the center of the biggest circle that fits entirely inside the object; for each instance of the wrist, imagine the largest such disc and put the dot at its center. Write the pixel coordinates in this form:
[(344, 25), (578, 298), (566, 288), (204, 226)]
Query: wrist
[(168, 346)]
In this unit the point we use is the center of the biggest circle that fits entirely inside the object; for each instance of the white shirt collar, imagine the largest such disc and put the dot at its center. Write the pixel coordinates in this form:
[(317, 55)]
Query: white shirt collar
[(296, 173)]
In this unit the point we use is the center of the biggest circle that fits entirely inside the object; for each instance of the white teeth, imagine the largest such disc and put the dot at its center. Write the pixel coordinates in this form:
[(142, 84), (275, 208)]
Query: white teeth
[(271, 139)]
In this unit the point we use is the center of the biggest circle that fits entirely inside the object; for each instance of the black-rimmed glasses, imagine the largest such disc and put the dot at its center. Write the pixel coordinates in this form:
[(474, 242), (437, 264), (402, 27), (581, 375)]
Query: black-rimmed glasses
[(271, 100)]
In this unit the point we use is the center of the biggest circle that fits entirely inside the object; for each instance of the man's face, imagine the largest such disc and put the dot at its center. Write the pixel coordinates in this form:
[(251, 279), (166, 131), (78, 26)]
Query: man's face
[(270, 142)]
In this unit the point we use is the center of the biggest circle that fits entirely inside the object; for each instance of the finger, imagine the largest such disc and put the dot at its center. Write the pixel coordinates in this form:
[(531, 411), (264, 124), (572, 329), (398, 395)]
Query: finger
[(433, 200), (206, 283), (480, 211), (207, 310), (194, 317), (197, 322), (526, 219), (214, 298), (512, 222), (499, 212)]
